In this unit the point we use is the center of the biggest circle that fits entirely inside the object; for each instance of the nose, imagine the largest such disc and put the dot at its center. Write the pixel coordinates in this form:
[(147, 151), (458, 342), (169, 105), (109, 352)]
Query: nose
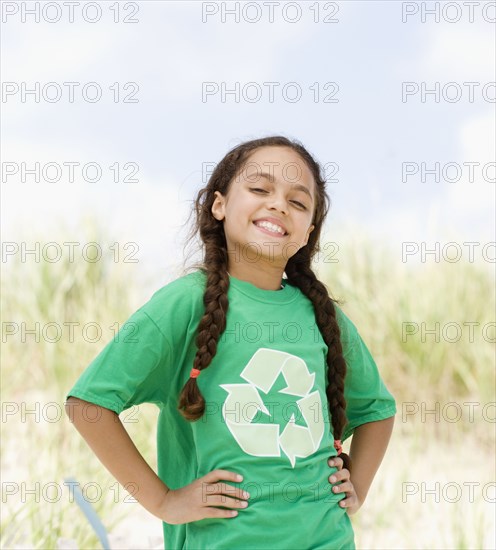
[(278, 202)]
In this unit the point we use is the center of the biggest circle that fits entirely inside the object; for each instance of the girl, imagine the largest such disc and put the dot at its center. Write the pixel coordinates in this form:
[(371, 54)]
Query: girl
[(258, 378)]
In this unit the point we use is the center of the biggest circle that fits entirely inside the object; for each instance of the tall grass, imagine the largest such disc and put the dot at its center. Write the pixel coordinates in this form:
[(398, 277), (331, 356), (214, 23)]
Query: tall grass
[(381, 294), (389, 300), (41, 448)]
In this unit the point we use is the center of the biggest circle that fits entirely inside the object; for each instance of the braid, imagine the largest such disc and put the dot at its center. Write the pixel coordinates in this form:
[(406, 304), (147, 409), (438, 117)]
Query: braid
[(300, 274), (211, 326)]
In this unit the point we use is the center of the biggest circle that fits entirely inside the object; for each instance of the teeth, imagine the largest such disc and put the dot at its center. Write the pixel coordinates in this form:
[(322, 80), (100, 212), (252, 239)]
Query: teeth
[(271, 226)]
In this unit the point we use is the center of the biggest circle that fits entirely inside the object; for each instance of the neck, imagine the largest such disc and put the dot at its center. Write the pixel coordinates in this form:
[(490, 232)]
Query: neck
[(282, 286)]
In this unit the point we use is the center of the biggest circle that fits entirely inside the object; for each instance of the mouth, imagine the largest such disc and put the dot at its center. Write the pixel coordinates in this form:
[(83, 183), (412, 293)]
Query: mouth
[(270, 228)]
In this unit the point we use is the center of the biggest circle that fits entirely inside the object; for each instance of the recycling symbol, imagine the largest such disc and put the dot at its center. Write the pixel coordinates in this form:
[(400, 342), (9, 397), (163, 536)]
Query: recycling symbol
[(260, 373)]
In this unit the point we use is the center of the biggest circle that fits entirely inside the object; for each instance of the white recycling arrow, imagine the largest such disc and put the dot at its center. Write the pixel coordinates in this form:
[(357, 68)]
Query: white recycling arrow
[(243, 402)]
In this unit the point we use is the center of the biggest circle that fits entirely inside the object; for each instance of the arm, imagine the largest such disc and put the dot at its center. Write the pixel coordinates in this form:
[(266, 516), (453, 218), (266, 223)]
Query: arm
[(368, 446), (111, 443)]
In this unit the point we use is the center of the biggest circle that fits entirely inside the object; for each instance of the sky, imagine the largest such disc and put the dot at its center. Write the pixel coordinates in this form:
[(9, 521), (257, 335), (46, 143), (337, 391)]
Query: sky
[(349, 81)]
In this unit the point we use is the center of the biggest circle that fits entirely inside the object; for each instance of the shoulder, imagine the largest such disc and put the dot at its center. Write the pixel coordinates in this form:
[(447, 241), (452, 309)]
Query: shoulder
[(182, 298), (348, 330), (193, 282)]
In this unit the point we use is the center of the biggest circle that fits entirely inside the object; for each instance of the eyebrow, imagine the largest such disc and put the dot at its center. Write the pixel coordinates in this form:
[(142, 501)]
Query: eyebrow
[(298, 186)]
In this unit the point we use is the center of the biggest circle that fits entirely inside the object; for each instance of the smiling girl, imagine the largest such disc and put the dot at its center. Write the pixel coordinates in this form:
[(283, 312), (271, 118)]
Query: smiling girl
[(258, 377)]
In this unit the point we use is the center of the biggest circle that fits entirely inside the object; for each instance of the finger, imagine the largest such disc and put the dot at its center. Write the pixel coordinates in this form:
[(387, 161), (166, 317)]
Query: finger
[(219, 513), (238, 492), (222, 500), (216, 475), (336, 462), (345, 487), (341, 475), (234, 491), (348, 502), (224, 489)]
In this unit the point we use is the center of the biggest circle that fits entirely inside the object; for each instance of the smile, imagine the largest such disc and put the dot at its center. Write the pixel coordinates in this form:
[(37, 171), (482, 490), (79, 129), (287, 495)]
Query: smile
[(270, 228)]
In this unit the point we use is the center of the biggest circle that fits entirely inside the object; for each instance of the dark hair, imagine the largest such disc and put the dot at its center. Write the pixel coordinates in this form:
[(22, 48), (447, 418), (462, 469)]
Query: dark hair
[(298, 271)]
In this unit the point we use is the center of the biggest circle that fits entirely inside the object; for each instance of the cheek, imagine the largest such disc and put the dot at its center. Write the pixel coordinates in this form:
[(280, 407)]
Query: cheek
[(250, 206), (240, 215), (305, 221)]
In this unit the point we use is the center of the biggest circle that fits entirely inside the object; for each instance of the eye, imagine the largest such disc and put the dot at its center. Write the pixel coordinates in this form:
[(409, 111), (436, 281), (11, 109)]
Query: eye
[(299, 204)]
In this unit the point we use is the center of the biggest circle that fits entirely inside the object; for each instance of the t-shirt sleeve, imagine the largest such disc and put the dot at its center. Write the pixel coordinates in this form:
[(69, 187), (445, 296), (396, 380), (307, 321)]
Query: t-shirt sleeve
[(131, 369), (367, 397)]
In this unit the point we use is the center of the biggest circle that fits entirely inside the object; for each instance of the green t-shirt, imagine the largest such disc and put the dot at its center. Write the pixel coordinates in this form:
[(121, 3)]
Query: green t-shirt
[(266, 409)]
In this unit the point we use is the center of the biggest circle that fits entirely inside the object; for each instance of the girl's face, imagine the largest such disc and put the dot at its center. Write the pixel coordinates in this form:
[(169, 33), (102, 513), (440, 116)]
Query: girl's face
[(275, 188)]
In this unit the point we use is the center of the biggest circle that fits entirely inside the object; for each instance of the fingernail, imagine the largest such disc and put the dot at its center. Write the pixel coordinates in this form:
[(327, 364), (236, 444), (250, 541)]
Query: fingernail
[(331, 462), (333, 479), (246, 495), (239, 477)]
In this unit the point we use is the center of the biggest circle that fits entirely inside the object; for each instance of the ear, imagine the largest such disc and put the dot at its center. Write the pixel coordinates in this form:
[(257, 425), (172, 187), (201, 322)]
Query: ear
[(218, 206), (310, 229)]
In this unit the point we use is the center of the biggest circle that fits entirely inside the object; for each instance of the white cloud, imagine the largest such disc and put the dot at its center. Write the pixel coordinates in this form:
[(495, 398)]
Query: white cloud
[(463, 52), (460, 52), (148, 213), (477, 144), (477, 136)]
